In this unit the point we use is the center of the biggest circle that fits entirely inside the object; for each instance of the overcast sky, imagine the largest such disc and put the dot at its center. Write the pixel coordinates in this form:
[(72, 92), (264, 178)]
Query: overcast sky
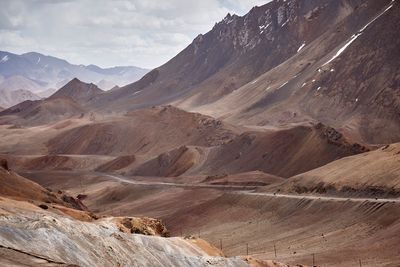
[(143, 33)]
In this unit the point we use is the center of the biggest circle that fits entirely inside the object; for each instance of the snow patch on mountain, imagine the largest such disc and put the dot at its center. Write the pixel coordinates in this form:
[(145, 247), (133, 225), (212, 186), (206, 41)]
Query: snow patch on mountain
[(301, 47), (4, 59), (355, 36)]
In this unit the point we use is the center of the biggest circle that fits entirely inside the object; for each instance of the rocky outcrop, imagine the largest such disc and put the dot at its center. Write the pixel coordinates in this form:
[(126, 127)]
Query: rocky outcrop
[(144, 226), (336, 138), (101, 243), (4, 164)]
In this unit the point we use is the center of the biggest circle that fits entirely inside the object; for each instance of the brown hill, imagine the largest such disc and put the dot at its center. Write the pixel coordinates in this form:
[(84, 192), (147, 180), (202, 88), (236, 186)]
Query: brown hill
[(79, 91), (67, 102), (282, 152), (58, 162), (172, 163), (279, 152), (144, 132), (41, 111), (376, 173), (17, 187), (117, 164)]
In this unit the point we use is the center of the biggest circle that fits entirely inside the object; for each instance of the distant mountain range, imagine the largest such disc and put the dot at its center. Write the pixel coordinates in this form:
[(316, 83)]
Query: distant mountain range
[(34, 75)]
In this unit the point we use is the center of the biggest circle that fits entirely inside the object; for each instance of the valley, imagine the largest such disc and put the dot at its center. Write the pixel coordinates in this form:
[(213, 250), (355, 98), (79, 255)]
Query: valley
[(272, 140)]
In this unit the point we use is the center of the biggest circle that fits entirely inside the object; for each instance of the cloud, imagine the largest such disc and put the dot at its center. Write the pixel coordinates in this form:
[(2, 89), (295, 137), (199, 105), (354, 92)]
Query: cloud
[(107, 33)]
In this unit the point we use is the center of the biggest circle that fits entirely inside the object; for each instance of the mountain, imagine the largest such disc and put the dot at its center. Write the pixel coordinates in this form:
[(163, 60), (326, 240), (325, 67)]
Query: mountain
[(78, 91), (18, 82), (282, 63), (275, 134), (346, 78), (67, 102), (11, 98), (40, 72)]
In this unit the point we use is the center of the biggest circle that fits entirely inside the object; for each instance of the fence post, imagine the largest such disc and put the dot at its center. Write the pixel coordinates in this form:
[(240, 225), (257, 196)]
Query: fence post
[(359, 261), (275, 249), (313, 259), (220, 244), (247, 249)]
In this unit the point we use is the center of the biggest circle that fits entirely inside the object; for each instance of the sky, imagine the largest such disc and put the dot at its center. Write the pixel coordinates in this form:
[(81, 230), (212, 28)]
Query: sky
[(144, 33)]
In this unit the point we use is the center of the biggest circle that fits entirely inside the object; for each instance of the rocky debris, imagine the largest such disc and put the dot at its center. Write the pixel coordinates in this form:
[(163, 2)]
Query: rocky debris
[(337, 138), (189, 237), (259, 263), (81, 197), (144, 226), (329, 132), (4, 164), (74, 202), (210, 122)]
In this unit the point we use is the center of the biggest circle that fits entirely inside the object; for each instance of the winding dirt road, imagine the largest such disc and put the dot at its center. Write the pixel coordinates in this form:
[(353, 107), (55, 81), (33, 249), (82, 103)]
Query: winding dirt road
[(249, 191)]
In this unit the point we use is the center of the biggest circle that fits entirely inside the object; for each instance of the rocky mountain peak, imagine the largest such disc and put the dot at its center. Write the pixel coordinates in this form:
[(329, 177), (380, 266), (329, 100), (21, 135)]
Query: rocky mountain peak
[(78, 90)]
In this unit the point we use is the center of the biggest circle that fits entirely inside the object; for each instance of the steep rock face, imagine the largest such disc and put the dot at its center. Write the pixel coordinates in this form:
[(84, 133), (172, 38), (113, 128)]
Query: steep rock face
[(364, 87), (346, 78), (234, 52)]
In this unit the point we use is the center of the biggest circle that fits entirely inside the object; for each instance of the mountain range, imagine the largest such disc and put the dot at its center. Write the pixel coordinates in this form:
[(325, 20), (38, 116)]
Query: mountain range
[(274, 137), (282, 63), (42, 75)]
